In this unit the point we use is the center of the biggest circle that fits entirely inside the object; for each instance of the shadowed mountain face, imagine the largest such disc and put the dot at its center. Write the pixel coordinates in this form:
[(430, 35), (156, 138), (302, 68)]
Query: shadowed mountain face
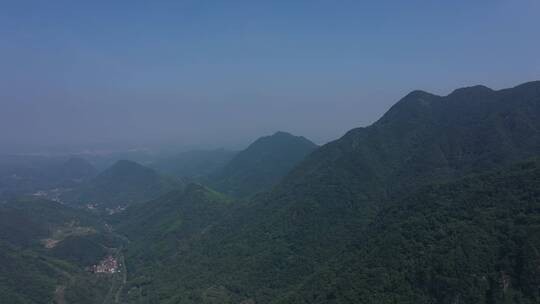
[(262, 164), (327, 204), (124, 183)]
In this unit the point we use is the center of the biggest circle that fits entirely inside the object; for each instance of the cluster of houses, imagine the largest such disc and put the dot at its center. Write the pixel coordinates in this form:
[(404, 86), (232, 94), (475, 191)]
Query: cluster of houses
[(118, 209), (96, 206), (92, 206), (53, 195), (108, 265)]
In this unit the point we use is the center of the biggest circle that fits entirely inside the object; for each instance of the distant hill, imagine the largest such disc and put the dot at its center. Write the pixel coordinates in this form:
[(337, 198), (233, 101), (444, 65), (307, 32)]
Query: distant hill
[(194, 164), (291, 244), (122, 184), (262, 164), (26, 174)]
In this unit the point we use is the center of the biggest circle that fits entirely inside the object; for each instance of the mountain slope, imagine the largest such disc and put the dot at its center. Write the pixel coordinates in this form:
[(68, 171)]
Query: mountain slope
[(475, 240), (31, 280), (157, 229), (328, 202), (194, 164), (24, 222), (262, 164), (122, 184)]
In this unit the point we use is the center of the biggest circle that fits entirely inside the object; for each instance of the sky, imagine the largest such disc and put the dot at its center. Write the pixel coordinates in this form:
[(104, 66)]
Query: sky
[(222, 73)]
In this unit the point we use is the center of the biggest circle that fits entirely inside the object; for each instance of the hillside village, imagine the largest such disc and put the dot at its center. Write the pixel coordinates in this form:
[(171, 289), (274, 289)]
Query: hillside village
[(109, 265)]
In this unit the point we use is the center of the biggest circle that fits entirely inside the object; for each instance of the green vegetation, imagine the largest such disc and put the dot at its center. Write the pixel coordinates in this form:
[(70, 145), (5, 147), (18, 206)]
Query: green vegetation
[(124, 183), (476, 240), (82, 250), (437, 202), (25, 277), (33, 273), (28, 221), (271, 248), (262, 164), (156, 229)]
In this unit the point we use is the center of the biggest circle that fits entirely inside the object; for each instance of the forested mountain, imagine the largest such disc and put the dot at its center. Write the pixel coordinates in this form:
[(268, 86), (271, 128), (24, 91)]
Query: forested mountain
[(436, 202), (194, 164), (122, 184), (272, 248), (474, 240), (261, 165)]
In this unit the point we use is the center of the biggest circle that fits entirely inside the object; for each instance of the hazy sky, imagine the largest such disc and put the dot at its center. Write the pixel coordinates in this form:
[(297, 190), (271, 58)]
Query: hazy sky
[(221, 73)]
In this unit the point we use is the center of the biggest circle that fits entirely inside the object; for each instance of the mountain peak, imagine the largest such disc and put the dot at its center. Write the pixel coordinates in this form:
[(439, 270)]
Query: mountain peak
[(281, 137), (282, 133), (472, 90), (417, 94), (413, 106), (262, 164)]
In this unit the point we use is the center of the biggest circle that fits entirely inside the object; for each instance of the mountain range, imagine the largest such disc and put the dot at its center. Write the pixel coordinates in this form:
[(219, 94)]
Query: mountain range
[(285, 240), (436, 202)]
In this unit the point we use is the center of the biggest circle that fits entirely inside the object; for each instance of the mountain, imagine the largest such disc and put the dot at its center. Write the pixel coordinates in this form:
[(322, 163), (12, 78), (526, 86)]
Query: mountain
[(261, 165), (194, 164), (436, 202), (298, 235), (474, 240), (122, 184)]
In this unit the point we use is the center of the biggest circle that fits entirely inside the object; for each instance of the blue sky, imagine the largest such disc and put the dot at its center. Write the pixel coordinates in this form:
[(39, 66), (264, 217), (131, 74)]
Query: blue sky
[(221, 73)]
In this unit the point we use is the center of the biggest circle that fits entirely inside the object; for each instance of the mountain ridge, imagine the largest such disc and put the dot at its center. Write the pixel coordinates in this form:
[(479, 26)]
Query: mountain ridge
[(327, 201)]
